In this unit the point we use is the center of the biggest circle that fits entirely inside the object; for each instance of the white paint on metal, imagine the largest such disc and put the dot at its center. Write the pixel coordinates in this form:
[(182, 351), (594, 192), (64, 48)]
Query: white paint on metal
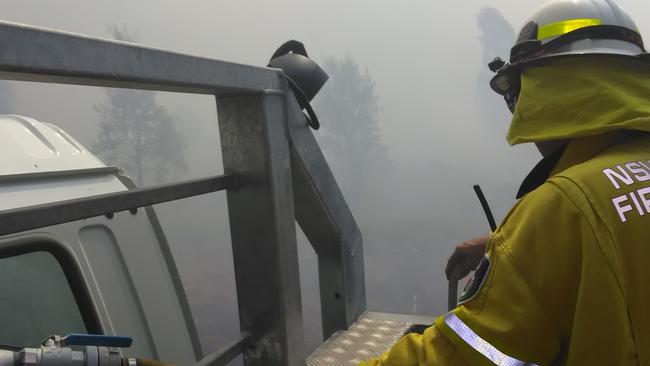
[(29, 146), (120, 258)]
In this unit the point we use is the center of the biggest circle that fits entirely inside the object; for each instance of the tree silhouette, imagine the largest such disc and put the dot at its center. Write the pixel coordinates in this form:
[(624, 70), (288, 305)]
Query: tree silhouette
[(136, 133), (496, 36), (348, 108)]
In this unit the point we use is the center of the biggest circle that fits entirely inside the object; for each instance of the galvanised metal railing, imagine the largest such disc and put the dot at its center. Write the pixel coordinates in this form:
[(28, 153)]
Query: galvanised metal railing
[(275, 175)]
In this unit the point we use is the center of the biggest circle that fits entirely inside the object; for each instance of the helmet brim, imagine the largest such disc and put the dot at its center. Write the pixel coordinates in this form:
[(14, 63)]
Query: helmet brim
[(501, 82)]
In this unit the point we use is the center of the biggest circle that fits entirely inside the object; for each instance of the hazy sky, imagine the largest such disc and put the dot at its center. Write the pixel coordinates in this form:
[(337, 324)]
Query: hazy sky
[(423, 54)]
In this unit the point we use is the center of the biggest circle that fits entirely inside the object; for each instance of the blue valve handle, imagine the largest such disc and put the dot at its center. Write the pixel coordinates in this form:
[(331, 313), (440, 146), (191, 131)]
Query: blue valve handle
[(97, 340)]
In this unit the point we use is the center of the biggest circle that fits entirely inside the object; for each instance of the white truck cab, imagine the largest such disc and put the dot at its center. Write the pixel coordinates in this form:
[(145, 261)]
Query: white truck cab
[(112, 274)]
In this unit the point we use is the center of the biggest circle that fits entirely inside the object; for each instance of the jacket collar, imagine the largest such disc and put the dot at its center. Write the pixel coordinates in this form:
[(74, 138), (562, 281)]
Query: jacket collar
[(575, 152), (541, 172)]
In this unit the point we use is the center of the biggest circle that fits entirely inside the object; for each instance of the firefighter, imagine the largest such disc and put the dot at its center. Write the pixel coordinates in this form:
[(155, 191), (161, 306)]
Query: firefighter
[(565, 279)]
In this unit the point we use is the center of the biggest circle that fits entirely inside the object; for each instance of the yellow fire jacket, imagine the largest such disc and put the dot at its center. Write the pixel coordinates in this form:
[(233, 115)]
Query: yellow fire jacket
[(566, 279), (566, 276)]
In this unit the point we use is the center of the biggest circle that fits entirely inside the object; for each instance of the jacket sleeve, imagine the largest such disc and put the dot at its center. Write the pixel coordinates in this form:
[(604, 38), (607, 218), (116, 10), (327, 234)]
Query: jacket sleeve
[(430, 348), (521, 308)]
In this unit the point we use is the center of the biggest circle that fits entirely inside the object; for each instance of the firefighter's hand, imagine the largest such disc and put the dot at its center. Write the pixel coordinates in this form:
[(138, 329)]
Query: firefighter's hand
[(466, 258)]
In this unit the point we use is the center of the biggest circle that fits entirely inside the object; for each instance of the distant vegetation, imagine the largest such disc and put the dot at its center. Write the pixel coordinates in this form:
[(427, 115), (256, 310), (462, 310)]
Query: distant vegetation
[(350, 136), (496, 37), (136, 133)]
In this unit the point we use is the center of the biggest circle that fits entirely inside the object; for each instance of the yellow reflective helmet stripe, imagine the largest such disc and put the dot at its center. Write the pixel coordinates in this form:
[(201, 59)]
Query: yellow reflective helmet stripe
[(564, 27)]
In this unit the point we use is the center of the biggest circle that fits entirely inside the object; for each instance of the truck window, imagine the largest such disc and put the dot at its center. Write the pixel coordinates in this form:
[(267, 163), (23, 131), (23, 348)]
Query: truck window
[(36, 300)]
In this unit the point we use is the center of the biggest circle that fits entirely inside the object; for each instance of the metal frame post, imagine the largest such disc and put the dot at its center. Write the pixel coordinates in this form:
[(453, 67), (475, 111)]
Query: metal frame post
[(326, 220), (255, 145)]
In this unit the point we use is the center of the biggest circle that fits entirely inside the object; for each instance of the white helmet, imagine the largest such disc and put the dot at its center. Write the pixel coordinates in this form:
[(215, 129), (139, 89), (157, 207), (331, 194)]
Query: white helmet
[(567, 28)]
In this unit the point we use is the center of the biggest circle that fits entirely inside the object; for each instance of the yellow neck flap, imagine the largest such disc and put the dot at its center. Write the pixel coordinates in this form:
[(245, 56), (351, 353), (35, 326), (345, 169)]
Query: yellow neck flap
[(581, 96)]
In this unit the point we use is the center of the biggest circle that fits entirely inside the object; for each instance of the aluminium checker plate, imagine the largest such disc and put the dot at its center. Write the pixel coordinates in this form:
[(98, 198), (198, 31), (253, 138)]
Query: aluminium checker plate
[(370, 336)]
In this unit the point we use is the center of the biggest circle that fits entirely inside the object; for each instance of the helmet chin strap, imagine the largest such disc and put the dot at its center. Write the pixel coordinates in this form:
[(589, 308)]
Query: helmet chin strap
[(310, 116), (291, 46), (298, 48)]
